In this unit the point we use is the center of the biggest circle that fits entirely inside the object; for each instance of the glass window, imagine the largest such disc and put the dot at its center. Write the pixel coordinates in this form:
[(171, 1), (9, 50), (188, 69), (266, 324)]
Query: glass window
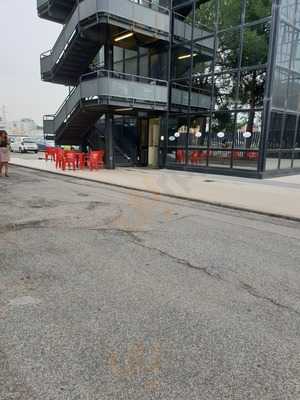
[(251, 89), (197, 157), (228, 50), (280, 87), (144, 62), (229, 14), (293, 98), (288, 135), (256, 45), (118, 59), (131, 62), (219, 158), (181, 63), (276, 125), (222, 128), (202, 58), (198, 133), (225, 91), (248, 132), (285, 160), (257, 9), (245, 159), (180, 96), (272, 160), (288, 10), (296, 162), (178, 130), (285, 39), (297, 144), (205, 15)]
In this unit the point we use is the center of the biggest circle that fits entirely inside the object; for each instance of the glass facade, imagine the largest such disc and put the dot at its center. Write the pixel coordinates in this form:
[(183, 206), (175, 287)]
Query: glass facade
[(283, 151), (237, 67)]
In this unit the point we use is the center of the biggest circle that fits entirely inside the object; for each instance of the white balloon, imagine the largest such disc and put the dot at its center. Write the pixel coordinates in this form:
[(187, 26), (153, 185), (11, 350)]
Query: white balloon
[(172, 138), (198, 134), (221, 134), (177, 134)]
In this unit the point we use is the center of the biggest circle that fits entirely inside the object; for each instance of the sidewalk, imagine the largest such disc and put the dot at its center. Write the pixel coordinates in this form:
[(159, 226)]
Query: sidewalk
[(276, 197)]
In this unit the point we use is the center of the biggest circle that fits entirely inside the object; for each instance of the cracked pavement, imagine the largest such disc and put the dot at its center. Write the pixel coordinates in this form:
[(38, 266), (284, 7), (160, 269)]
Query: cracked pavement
[(113, 294)]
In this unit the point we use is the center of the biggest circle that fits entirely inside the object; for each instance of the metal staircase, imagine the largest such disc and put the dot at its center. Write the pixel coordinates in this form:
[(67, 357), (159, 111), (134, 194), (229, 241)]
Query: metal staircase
[(99, 92), (86, 31), (89, 25), (55, 10)]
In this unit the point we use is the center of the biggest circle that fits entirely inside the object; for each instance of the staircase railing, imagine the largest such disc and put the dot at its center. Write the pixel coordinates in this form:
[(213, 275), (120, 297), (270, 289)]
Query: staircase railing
[(84, 10), (78, 93)]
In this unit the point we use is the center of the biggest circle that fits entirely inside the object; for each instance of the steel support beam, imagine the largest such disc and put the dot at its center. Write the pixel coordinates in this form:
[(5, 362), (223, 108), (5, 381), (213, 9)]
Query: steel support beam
[(109, 142)]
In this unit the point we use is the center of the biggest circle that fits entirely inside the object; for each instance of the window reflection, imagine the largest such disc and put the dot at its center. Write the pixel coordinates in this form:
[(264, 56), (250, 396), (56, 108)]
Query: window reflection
[(252, 89), (229, 14), (256, 10), (256, 37)]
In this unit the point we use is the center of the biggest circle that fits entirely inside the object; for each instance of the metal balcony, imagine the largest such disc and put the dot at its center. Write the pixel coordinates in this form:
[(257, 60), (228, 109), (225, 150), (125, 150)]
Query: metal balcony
[(55, 10), (199, 99), (84, 34), (100, 91)]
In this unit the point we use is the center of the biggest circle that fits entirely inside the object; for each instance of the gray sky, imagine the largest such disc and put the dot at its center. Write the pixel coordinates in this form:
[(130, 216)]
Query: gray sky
[(23, 36)]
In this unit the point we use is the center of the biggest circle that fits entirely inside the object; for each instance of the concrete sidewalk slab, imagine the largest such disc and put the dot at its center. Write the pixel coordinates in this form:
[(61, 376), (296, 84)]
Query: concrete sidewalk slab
[(276, 197)]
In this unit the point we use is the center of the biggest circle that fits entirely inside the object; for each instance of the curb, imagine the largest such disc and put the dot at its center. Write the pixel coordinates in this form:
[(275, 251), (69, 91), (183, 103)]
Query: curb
[(186, 198)]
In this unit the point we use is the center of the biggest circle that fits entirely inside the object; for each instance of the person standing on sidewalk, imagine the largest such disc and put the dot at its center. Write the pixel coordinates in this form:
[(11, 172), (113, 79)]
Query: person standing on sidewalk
[(4, 153)]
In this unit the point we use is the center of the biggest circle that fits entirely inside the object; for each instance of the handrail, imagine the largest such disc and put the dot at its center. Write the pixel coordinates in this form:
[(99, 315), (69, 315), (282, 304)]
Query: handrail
[(66, 100), (65, 110), (150, 4), (122, 75), (74, 19)]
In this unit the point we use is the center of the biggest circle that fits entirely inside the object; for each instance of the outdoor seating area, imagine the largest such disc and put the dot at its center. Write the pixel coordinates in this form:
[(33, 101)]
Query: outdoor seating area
[(75, 160)]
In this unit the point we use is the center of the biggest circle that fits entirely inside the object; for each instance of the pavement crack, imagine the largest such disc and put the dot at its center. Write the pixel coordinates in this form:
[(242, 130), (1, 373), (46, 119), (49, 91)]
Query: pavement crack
[(253, 292), (182, 261), (18, 226)]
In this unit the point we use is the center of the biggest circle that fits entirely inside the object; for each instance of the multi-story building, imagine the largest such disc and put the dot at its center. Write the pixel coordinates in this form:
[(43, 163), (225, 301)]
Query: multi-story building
[(202, 85)]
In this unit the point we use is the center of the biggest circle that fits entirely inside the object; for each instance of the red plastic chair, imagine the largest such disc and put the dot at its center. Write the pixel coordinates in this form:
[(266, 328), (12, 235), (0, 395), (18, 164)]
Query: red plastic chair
[(180, 156), (69, 160), (197, 156), (236, 155), (50, 153), (82, 159), (59, 157), (96, 159), (252, 155)]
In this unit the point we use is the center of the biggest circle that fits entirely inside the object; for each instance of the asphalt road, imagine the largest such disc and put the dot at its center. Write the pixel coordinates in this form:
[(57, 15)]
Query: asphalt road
[(113, 294)]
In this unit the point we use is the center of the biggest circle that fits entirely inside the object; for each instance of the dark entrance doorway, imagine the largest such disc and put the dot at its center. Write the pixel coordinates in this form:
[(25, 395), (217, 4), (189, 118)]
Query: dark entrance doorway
[(131, 140)]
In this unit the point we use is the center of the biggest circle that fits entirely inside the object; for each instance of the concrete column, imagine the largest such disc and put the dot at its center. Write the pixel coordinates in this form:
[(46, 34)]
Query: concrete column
[(109, 141)]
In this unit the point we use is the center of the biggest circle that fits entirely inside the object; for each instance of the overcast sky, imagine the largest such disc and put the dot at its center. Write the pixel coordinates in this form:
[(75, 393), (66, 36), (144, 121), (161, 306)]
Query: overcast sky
[(23, 36)]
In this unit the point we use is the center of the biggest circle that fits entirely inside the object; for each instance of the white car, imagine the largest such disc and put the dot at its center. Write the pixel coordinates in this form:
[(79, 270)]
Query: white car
[(23, 145)]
